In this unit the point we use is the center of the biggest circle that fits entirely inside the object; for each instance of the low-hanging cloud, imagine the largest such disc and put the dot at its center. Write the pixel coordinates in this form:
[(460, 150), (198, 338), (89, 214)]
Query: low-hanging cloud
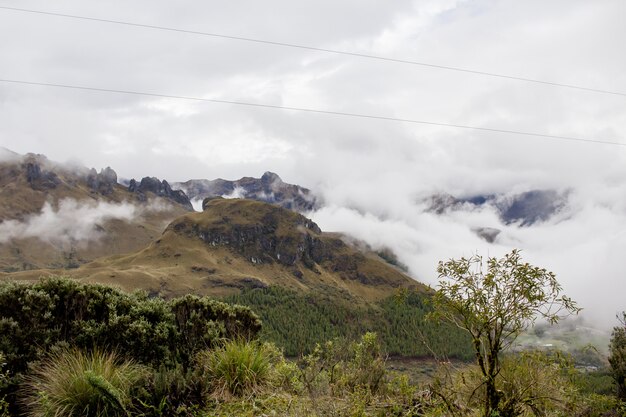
[(72, 222), (583, 244)]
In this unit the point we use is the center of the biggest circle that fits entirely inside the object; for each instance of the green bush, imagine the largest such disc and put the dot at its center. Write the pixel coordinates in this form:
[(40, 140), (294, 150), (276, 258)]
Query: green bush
[(71, 382), (173, 391), (338, 367), (4, 406), (57, 312), (531, 383), (617, 357), (238, 367), (35, 317)]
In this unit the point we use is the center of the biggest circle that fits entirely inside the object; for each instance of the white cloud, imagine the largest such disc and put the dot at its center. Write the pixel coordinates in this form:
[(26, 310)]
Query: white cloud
[(73, 221), (370, 172)]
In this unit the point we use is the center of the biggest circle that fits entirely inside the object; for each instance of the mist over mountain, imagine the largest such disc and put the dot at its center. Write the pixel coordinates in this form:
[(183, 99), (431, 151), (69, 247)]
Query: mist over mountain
[(64, 215), (270, 188)]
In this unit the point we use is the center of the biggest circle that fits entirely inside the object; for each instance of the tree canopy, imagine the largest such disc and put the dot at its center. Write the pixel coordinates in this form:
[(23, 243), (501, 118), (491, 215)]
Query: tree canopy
[(494, 301)]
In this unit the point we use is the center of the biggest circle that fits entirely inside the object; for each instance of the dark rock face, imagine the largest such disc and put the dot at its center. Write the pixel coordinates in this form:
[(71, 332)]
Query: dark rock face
[(532, 207), (489, 234), (159, 188), (268, 189), (265, 234), (102, 182), (38, 178), (260, 243), (526, 208)]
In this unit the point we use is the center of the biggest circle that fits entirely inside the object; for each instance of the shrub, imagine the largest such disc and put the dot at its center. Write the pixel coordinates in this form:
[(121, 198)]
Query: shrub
[(238, 367), (531, 383), (35, 317), (4, 406), (169, 392), (366, 369), (617, 357), (55, 312), (71, 382), (337, 367)]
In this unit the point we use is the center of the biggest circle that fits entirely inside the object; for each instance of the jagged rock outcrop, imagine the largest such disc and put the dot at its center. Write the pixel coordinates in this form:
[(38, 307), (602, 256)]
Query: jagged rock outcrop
[(160, 188), (270, 188), (38, 177), (276, 236), (531, 207), (102, 182)]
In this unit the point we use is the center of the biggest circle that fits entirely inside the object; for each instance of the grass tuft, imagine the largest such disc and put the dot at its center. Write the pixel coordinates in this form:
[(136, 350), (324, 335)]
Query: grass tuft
[(238, 367), (71, 382)]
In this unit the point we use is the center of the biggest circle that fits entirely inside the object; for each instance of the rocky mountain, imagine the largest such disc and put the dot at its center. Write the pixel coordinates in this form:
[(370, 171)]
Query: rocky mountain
[(55, 215), (270, 188), (237, 244), (525, 208), (152, 185)]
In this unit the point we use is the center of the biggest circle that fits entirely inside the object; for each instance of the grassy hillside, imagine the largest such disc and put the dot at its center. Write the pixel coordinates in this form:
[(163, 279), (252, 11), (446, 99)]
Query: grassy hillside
[(308, 286), (31, 182), (238, 244)]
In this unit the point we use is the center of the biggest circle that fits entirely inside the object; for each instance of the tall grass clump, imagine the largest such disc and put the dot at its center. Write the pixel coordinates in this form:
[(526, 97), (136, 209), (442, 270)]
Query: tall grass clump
[(238, 367), (71, 382), (4, 405)]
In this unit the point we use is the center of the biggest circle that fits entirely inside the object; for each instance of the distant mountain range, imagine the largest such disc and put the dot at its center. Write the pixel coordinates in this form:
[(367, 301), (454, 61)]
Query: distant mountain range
[(269, 189), (526, 209), (34, 190), (307, 285), (250, 242), (145, 235)]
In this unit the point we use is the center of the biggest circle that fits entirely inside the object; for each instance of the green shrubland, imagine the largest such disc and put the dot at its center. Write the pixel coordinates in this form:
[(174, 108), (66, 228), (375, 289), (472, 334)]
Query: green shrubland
[(90, 350)]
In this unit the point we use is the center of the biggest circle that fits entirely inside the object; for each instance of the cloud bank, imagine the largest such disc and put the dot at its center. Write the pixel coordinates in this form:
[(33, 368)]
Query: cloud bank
[(73, 222), (372, 174)]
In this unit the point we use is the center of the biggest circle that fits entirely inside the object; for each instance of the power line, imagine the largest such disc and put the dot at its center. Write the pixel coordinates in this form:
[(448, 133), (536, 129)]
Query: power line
[(309, 110), (312, 48)]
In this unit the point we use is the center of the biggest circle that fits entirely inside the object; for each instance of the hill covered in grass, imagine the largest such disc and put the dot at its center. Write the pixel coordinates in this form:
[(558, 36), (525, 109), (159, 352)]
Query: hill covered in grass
[(308, 286), (237, 244), (59, 216)]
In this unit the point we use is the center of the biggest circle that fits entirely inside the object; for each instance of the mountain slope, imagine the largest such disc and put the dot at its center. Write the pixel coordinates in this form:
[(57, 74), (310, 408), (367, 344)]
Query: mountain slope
[(308, 286), (57, 216), (236, 244)]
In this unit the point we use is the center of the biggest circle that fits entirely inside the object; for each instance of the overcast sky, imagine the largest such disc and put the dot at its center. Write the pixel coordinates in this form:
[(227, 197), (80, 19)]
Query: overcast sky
[(371, 173)]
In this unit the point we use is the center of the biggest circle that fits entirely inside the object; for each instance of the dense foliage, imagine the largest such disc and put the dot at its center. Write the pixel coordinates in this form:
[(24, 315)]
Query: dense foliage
[(56, 312), (297, 321), (189, 357)]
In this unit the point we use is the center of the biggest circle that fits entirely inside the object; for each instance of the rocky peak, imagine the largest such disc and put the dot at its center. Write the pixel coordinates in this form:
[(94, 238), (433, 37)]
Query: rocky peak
[(270, 188), (102, 182), (270, 178), (159, 188), (38, 177)]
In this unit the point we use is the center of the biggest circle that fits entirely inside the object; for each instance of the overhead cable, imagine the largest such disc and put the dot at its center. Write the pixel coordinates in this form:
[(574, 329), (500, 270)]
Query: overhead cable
[(310, 110), (313, 48)]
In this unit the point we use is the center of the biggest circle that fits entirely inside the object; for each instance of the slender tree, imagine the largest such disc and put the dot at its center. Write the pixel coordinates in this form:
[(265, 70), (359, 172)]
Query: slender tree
[(617, 356), (494, 306)]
